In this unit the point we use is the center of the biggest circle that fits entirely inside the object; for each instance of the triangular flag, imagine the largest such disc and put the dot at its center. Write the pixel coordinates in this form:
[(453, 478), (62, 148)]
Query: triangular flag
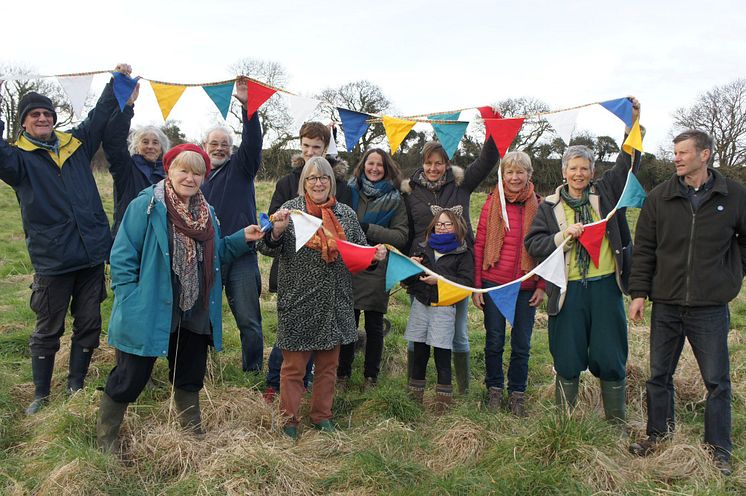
[(488, 112), (258, 94), (264, 222), (503, 132), (452, 116), (167, 96), (396, 131), (300, 108), (563, 123), (356, 258), (591, 239), (332, 148), (504, 299), (633, 194), (399, 268), (305, 227), (220, 94), (448, 294), (354, 125), (123, 87), (450, 135), (621, 107), (501, 193), (552, 269), (634, 139), (77, 88)]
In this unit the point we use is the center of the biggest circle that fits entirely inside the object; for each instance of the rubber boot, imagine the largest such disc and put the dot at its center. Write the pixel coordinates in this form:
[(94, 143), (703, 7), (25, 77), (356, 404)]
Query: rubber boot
[(417, 390), (566, 392), (41, 368), (443, 397), (410, 363), (462, 370), (614, 398), (187, 409), (110, 417), (80, 359)]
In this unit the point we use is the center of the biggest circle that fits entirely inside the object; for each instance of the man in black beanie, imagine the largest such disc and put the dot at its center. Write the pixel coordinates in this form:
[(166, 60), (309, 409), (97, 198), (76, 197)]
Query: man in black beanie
[(67, 231)]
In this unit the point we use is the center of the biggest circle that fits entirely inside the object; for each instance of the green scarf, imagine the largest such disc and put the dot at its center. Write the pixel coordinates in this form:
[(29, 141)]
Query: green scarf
[(583, 214)]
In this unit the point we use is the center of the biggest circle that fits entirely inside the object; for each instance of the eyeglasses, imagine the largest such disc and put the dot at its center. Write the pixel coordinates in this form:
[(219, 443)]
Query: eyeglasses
[(444, 224), (215, 144), (321, 179), (38, 113)]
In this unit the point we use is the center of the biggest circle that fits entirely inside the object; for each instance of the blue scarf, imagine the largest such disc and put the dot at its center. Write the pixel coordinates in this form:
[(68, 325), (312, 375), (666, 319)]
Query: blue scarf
[(154, 172), (443, 243), (383, 199), (52, 144)]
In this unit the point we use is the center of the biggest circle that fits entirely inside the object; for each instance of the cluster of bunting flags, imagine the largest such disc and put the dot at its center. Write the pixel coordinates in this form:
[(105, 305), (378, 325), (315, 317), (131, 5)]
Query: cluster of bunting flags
[(400, 267), (446, 125)]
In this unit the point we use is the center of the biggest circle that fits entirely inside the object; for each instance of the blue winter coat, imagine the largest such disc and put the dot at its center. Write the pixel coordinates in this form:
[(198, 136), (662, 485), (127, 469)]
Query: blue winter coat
[(140, 320), (63, 219)]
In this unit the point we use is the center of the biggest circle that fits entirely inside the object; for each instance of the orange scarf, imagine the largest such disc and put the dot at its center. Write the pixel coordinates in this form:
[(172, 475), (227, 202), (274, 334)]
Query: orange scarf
[(325, 238), (496, 225)]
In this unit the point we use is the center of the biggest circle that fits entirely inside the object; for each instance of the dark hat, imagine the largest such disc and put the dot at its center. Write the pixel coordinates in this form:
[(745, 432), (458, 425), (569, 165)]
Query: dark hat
[(33, 100), (174, 152)]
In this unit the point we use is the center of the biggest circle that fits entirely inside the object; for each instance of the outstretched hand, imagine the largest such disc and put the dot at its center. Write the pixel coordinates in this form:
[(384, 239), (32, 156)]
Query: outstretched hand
[(242, 91), (124, 68), (252, 233)]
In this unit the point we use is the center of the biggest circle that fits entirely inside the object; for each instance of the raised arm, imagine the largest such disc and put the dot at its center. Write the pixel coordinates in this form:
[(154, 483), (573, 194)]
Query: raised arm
[(115, 138), (249, 154), (482, 166), (11, 167)]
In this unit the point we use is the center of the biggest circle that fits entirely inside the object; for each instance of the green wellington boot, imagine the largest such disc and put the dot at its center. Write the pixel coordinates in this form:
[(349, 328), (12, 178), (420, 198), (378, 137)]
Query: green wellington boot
[(614, 399), (566, 392), (110, 417), (187, 408), (462, 371)]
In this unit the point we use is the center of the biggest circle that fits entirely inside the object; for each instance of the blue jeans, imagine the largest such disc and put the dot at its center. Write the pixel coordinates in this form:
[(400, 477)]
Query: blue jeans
[(243, 285), (706, 328), (520, 342), (274, 364), (461, 336)]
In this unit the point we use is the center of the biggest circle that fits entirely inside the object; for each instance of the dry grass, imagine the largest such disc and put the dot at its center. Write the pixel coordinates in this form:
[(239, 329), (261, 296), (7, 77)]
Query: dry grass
[(459, 442)]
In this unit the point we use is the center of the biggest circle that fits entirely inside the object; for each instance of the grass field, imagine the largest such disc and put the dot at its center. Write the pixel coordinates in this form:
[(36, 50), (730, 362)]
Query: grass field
[(386, 443)]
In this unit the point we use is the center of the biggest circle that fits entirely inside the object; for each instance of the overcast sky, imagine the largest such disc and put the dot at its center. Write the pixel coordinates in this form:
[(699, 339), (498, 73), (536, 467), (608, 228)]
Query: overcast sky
[(427, 56)]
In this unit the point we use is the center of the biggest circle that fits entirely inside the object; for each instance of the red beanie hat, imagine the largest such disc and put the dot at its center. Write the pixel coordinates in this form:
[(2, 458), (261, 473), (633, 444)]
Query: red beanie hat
[(186, 147)]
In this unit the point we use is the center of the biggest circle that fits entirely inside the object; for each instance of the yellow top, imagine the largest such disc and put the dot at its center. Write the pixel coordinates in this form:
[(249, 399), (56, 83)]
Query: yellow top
[(606, 262)]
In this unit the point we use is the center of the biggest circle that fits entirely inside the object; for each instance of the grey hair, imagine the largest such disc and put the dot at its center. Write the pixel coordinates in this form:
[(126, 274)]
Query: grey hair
[(520, 159), (136, 136), (321, 165), (578, 151), (218, 127)]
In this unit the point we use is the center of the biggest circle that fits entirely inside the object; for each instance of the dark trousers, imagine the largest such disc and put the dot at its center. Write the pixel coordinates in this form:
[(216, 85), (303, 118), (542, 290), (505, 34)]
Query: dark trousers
[(373, 347), (442, 363), (274, 365), (520, 342), (50, 298), (706, 328), (243, 286), (187, 363)]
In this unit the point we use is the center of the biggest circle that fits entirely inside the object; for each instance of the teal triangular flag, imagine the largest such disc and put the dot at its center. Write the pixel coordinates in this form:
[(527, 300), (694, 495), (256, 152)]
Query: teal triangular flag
[(633, 195), (398, 269), (450, 136), (220, 94), (505, 298), (445, 117)]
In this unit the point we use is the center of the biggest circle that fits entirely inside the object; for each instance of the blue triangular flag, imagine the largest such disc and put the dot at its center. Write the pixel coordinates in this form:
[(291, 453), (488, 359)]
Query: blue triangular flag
[(505, 298), (264, 222), (123, 87), (621, 107), (450, 135), (220, 94), (633, 195), (354, 125), (398, 269)]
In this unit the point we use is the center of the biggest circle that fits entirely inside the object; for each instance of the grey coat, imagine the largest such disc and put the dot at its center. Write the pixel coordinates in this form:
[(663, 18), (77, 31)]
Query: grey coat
[(314, 299)]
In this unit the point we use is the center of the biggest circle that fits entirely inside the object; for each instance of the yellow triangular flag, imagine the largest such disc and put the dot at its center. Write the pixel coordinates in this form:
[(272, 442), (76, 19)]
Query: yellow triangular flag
[(396, 131), (634, 139), (167, 96), (449, 294)]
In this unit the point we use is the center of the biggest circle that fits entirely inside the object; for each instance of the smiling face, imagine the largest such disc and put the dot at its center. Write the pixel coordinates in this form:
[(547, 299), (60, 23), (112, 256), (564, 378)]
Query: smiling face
[(515, 178), (374, 169), (688, 160), (218, 147), (318, 186), (312, 147), (444, 225), (578, 175), (185, 180), (434, 166), (149, 147), (39, 123)]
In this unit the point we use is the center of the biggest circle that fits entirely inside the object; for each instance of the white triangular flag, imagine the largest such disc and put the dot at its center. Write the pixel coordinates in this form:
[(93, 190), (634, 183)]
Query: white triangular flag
[(19, 76), (553, 269), (300, 108), (503, 206), (563, 123), (77, 88), (332, 149), (305, 227)]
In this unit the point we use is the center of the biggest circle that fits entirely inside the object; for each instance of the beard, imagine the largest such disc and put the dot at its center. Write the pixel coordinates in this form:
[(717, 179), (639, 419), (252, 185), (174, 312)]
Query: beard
[(218, 162)]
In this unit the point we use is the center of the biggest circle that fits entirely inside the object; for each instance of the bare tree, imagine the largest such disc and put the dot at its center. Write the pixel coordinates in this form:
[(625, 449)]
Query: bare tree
[(533, 129), (721, 112)]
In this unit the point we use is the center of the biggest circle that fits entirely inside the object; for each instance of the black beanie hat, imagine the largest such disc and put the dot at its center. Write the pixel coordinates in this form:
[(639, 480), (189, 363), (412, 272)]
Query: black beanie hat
[(33, 100)]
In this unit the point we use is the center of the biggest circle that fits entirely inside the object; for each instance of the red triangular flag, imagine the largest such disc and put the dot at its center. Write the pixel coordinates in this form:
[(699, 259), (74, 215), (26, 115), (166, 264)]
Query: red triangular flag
[(258, 94), (591, 238), (488, 112), (503, 132), (357, 258)]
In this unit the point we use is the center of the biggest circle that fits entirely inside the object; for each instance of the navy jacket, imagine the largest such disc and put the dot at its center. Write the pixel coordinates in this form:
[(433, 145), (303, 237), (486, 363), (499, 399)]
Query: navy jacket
[(63, 219)]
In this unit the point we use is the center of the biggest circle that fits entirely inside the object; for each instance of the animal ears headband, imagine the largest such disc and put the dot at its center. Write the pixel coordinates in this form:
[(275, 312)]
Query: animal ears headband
[(456, 209)]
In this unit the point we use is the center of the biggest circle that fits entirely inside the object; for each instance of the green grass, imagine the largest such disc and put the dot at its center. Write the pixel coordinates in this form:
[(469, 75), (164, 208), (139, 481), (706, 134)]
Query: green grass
[(386, 444)]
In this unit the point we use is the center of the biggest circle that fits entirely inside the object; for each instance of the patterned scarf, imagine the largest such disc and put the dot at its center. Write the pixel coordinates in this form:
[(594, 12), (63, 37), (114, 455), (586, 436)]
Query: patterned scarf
[(325, 238), (192, 224), (383, 199), (432, 185), (584, 215), (496, 225)]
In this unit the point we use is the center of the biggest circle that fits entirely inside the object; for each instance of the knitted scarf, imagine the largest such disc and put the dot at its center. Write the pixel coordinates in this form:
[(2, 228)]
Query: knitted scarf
[(496, 225), (431, 185), (443, 243), (382, 197), (192, 224), (583, 214), (325, 238)]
